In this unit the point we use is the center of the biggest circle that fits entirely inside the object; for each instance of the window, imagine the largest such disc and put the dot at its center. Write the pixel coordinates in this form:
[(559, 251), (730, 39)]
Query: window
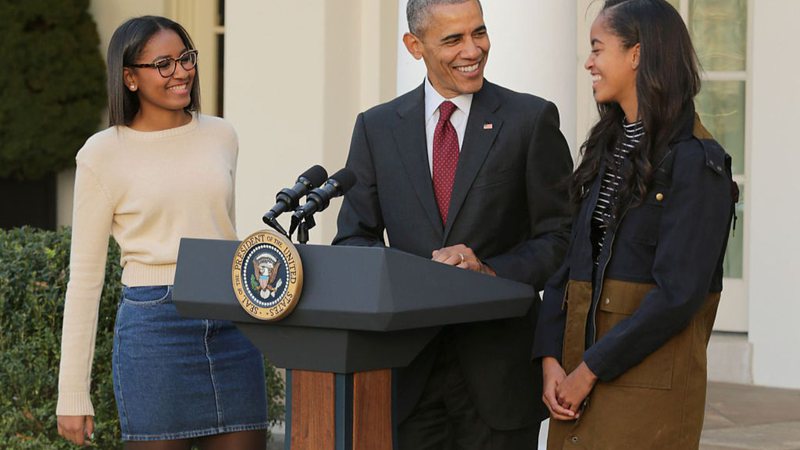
[(205, 22), (719, 30), (719, 33)]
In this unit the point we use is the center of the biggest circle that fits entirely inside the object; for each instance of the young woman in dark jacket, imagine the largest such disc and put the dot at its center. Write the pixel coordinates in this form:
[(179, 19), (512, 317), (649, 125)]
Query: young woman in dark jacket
[(624, 325)]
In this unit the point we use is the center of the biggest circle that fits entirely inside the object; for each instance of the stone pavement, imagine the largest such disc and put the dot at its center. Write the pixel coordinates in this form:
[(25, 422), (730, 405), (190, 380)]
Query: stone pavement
[(738, 417)]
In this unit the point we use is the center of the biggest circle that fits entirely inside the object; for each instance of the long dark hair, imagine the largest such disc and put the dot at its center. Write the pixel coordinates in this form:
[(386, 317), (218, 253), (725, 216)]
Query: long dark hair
[(667, 81), (125, 47)]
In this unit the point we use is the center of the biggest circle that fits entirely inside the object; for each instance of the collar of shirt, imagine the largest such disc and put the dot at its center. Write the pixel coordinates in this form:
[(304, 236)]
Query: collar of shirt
[(459, 118)]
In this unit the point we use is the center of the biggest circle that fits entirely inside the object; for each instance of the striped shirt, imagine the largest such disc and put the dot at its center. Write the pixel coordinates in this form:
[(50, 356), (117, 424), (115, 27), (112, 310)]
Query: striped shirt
[(603, 214)]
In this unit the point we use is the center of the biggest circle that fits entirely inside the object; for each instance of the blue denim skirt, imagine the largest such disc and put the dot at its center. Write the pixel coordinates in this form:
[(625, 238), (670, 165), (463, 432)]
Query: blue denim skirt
[(179, 378)]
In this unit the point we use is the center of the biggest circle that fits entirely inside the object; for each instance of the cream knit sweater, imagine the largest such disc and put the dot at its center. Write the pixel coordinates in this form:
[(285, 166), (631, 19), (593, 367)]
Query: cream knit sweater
[(147, 190)]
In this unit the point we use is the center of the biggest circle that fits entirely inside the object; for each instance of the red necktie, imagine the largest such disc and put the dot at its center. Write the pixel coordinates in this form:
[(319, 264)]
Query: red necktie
[(445, 158)]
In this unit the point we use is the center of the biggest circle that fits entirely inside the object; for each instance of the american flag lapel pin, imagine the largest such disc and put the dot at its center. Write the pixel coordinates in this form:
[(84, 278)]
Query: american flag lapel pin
[(487, 126)]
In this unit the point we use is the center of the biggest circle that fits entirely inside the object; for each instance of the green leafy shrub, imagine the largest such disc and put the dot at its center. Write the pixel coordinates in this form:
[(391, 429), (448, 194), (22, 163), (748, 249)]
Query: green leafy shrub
[(33, 280), (52, 85)]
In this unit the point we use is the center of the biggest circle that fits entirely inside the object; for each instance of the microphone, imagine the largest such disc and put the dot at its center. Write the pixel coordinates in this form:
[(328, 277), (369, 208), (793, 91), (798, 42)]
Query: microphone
[(319, 198), (288, 198)]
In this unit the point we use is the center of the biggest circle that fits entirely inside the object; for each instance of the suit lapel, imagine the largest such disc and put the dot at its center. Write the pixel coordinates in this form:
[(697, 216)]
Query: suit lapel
[(409, 134), (482, 129)]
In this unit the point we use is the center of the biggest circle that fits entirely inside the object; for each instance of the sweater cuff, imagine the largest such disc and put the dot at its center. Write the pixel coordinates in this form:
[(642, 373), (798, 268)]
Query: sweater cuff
[(596, 363), (542, 349), (74, 404)]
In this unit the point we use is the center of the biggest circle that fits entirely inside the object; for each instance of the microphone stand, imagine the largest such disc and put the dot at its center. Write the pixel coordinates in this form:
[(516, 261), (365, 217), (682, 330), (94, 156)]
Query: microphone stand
[(302, 226), (277, 227)]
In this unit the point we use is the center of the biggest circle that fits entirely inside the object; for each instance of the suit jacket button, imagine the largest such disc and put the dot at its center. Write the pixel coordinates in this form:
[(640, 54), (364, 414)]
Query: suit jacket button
[(574, 439), (659, 196)]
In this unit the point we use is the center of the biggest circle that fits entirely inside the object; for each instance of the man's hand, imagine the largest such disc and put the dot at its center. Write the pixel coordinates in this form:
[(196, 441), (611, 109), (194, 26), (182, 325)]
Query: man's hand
[(553, 375), (571, 392), (462, 257), (76, 429)]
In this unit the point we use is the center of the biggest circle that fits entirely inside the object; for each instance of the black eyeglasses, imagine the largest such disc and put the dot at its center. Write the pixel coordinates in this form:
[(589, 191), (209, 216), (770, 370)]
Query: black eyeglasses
[(166, 66)]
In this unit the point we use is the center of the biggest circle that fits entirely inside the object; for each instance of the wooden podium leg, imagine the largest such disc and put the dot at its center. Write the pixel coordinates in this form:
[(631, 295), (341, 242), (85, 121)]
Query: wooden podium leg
[(312, 410), (372, 410), (339, 411)]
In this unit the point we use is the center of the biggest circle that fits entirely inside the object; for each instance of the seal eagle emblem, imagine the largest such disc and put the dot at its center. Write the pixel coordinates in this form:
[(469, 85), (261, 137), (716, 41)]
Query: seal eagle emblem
[(267, 275)]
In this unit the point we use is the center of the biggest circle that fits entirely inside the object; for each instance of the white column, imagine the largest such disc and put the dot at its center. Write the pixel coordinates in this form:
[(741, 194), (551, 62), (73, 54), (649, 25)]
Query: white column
[(533, 51), (773, 195)]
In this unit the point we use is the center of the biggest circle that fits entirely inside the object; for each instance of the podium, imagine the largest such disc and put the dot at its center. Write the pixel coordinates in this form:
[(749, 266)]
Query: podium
[(362, 312)]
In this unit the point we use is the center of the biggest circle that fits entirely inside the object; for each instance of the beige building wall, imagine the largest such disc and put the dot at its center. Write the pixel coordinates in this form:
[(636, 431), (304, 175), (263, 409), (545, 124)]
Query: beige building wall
[(296, 76)]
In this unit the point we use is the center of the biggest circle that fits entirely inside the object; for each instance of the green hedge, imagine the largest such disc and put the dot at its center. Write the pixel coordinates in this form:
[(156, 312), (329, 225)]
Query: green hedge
[(52, 85), (33, 280)]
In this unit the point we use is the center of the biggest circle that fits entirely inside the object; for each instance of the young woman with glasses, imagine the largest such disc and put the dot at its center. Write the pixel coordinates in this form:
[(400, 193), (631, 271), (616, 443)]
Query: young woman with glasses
[(160, 172), (624, 324)]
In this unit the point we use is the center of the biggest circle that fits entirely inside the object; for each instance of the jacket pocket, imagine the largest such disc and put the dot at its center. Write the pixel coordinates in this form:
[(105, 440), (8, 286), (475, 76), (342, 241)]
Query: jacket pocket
[(489, 179), (655, 370), (641, 223)]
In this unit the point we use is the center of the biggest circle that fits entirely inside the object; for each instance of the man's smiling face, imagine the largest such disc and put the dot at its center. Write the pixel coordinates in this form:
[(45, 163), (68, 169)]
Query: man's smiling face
[(454, 45)]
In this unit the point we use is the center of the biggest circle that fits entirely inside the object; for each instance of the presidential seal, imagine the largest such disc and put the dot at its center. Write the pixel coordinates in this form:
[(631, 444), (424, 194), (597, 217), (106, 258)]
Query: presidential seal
[(267, 275)]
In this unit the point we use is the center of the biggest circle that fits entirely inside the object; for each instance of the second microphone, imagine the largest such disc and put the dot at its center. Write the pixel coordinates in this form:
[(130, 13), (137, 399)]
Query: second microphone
[(318, 199), (288, 198)]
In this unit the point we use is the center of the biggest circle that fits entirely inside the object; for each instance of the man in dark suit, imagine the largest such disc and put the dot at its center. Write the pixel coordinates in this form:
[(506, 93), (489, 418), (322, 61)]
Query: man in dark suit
[(472, 175)]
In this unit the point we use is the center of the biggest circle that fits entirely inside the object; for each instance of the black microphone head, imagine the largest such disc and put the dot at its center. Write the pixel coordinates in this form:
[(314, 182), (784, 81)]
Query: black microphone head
[(287, 198), (318, 199), (345, 178), (316, 175)]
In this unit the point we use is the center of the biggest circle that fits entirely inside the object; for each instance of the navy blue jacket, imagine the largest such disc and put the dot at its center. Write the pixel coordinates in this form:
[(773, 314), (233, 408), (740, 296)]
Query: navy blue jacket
[(675, 239)]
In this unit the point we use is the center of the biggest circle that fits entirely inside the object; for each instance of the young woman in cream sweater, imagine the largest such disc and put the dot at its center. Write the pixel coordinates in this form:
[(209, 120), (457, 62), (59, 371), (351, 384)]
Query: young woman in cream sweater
[(162, 171)]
